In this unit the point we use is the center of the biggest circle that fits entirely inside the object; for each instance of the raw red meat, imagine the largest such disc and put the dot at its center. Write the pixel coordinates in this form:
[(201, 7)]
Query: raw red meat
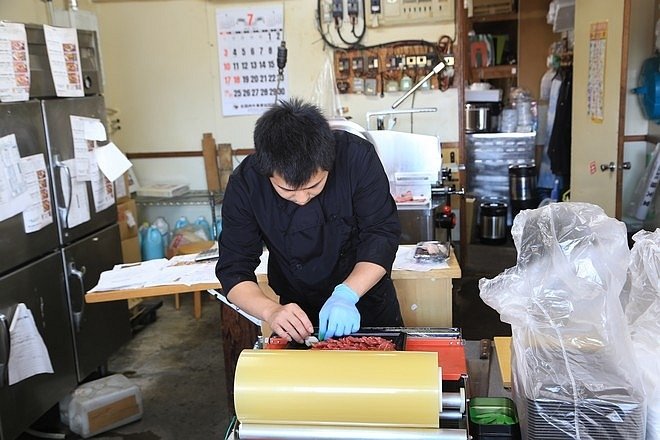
[(373, 343)]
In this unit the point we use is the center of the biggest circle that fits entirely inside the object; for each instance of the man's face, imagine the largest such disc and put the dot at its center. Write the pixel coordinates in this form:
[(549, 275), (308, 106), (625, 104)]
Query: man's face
[(302, 195)]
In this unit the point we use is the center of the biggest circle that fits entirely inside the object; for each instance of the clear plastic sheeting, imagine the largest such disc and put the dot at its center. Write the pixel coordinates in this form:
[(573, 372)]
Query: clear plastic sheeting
[(643, 313), (574, 375), (325, 94)]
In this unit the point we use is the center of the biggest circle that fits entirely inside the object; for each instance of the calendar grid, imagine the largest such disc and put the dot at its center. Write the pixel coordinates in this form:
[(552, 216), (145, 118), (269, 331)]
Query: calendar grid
[(248, 39)]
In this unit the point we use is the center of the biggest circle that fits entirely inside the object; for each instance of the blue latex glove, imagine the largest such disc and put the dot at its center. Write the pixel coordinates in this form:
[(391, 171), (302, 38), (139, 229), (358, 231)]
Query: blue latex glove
[(339, 316)]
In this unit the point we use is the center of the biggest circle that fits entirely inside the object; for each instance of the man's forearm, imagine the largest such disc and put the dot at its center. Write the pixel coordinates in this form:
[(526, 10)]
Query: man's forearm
[(364, 276), (249, 297)]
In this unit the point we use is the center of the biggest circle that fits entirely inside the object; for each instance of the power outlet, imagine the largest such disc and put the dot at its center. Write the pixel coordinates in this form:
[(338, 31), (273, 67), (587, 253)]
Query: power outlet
[(407, 12), (450, 161)]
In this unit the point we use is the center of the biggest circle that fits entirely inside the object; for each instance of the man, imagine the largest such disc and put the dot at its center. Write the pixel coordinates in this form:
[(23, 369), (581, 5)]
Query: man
[(319, 200)]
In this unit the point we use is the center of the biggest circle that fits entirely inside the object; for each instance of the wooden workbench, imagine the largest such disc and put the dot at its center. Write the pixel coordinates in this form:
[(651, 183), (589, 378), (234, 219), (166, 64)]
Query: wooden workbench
[(425, 299)]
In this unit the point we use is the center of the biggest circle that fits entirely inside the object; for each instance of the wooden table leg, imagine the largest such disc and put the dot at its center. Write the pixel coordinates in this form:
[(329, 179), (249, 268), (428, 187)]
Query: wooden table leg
[(238, 333), (197, 303)]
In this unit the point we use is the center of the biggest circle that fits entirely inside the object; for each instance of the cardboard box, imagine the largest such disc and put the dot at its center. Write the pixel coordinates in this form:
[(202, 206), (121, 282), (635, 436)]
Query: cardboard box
[(130, 250), (122, 193), (127, 219)]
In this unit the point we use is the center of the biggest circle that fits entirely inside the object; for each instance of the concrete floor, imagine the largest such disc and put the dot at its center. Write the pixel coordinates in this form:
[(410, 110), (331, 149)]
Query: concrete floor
[(177, 361)]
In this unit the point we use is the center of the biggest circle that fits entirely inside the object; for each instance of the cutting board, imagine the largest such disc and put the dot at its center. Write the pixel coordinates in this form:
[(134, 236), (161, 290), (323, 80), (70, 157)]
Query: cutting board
[(503, 348)]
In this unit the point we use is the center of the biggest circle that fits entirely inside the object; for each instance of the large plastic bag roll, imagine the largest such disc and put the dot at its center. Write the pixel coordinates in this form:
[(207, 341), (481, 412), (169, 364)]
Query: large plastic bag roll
[(349, 388)]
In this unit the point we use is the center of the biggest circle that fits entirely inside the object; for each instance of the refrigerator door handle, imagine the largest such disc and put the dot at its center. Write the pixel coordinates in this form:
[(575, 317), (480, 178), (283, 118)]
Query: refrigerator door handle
[(79, 274), (64, 211), (4, 351)]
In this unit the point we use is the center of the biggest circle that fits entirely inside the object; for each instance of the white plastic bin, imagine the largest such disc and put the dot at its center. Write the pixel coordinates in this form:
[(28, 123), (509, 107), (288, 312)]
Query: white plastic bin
[(103, 404)]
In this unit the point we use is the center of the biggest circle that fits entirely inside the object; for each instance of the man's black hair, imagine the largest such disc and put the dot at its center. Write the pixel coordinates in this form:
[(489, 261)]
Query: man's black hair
[(294, 140)]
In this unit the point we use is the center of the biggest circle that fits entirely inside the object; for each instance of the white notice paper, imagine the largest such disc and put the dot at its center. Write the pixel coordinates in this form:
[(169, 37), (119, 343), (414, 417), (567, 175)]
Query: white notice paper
[(14, 195), (64, 60), (28, 355), (85, 133), (94, 130), (78, 203), (103, 191), (112, 161), (40, 212), (14, 63)]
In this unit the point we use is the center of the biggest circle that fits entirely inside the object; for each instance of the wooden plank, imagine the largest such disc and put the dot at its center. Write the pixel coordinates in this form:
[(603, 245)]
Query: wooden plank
[(114, 295), (163, 154), (226, 166), (503, 348), (493, 72), (210, 162)]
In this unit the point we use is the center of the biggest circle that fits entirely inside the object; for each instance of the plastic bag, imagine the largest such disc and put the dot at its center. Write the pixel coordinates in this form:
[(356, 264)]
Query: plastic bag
[(574, 374), (643, 314), (191, 233), (325, 94)]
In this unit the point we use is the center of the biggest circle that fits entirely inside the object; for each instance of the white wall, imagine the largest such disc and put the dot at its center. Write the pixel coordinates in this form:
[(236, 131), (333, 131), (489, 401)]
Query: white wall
[(161, 75), (161, 63)]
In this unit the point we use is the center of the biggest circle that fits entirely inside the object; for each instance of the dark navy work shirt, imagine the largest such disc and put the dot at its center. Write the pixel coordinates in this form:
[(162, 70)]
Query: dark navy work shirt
[(313, 248)]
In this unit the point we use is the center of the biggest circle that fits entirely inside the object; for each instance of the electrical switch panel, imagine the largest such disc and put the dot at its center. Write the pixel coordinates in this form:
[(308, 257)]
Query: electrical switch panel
[(337, 9), (358, 65), (352, 7), (343, 66), (407, 12), (358, 85), (387, 68)]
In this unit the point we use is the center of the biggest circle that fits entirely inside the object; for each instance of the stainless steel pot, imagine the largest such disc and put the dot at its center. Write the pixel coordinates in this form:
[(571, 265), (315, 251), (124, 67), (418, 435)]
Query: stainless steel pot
[(493, 222), (478, 117)]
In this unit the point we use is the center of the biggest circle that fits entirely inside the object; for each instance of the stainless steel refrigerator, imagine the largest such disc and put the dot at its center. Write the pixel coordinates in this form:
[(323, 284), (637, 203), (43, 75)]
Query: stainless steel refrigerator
[(51, 269)]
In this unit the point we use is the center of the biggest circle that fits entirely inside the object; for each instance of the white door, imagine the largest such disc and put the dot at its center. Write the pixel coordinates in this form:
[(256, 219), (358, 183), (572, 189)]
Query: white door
[(599, 70)]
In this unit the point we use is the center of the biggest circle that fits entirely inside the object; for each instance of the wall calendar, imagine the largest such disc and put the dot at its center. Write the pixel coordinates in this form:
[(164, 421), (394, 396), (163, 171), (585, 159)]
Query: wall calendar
[(248, 39)]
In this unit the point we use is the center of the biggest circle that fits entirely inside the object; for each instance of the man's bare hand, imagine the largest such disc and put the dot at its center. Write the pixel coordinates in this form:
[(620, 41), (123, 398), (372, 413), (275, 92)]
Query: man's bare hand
[(290, 322)]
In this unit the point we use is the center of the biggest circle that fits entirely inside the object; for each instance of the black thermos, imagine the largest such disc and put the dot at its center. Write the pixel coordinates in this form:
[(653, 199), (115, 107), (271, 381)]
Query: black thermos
[(522, 187)]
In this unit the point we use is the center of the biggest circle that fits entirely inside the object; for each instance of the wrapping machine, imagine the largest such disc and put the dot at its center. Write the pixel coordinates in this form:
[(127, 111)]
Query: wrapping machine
[(416, 391)]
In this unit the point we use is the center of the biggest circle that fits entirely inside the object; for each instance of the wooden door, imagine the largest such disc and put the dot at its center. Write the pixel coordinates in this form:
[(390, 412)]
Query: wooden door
[(598, 120)]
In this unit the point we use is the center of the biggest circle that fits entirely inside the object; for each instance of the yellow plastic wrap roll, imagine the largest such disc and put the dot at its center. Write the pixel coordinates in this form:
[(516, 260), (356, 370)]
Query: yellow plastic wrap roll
[(349, 388)]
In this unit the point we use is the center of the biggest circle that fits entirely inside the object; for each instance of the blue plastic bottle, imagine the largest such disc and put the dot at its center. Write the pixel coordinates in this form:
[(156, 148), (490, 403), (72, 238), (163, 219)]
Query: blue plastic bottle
[(161, 224), (152, 247), (183, 221), (142, 234), (201, 221)]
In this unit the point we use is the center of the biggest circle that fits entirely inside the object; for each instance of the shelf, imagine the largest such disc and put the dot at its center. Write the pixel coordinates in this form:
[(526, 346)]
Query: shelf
[(510, 16), (493, 72), (195, 197)]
